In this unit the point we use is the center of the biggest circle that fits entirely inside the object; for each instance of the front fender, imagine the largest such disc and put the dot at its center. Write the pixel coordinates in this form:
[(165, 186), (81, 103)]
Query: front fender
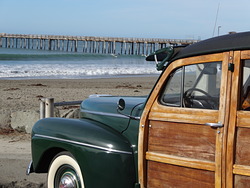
[(101, 151)]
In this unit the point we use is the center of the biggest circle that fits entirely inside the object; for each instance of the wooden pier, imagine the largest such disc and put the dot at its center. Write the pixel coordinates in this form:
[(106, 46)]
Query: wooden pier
[(85, 44)]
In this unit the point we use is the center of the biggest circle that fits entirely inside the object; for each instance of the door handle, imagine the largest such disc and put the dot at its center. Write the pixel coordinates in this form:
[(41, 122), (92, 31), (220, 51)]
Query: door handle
[(215, 125)]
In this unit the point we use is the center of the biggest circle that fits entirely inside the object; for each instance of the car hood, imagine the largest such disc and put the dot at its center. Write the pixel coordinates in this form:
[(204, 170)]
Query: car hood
[(104, 109)]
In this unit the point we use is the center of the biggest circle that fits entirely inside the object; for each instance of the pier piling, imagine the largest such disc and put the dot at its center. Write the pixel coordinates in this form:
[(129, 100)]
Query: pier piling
[(85, 44)]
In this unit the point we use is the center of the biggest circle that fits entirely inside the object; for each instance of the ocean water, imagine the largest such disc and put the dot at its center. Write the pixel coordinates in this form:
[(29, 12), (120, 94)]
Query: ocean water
[(39, 64)]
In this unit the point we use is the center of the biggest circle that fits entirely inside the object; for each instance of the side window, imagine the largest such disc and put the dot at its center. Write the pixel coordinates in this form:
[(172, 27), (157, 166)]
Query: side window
[(194, 86), (246, 86), (172, 94)]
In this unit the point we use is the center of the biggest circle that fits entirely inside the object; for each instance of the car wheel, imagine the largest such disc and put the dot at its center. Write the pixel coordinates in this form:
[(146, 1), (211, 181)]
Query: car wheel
[(65, 172)]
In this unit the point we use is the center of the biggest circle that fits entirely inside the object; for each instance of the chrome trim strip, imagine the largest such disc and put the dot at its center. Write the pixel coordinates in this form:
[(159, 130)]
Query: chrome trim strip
[(104, 114), (99, 95), (29, 168), (83, 144)]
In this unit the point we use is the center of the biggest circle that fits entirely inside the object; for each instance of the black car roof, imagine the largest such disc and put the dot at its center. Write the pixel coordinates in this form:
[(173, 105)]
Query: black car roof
[(236, 41)]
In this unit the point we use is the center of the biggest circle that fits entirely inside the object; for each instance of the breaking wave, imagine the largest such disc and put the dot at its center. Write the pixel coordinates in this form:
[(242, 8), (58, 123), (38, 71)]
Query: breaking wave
[(71, 65)]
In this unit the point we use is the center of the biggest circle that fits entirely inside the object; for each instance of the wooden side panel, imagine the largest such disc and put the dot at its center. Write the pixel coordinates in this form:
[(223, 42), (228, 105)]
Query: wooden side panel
[(237, 162), (241, 181), (206, 158), (165, 175), (182, 139), (242, 156)]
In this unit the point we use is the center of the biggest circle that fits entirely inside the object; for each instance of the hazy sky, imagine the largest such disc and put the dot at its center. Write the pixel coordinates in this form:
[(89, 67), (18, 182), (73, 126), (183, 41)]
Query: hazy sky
[(174, 19)]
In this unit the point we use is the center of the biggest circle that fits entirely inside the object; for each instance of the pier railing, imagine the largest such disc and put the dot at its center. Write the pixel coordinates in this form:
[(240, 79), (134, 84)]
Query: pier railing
[(88, 44), (47, 106)]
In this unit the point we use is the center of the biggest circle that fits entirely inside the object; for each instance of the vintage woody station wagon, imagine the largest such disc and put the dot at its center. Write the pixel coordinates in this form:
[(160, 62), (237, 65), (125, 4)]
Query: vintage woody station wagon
[(193, 130)]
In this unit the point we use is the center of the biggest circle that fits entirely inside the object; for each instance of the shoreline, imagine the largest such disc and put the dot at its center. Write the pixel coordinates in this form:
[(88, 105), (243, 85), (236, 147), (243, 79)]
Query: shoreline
[(82, 77)]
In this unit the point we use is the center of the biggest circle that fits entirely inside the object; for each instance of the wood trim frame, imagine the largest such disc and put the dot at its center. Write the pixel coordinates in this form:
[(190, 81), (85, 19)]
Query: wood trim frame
[(238, 119), (245, 54), (243, 119), (144, 123), (230, 167), (181, 161), (241, 170), (223, 117), (165, 113)]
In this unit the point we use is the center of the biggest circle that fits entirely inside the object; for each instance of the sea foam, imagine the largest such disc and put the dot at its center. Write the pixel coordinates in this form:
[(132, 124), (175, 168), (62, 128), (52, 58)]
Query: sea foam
[(28, 65)]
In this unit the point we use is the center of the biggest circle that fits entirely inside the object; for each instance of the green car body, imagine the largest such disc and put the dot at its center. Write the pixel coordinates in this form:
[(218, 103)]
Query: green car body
[(103, 141)]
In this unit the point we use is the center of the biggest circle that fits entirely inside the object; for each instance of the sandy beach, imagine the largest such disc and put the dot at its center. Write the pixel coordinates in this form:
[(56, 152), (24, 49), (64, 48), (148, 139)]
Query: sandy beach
[(17, 95)]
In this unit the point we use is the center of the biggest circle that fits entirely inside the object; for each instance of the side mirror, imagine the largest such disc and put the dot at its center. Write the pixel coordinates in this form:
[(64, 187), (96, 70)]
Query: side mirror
[(121, 106)]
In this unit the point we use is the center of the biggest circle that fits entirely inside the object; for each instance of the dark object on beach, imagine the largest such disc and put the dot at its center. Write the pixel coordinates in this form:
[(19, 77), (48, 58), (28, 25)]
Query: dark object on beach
[(37, 85), (39, 96), (12, 89), (192, 130)]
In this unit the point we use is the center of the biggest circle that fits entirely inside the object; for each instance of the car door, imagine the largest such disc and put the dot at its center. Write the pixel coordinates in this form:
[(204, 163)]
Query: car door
[(238, 153), (183, 129)]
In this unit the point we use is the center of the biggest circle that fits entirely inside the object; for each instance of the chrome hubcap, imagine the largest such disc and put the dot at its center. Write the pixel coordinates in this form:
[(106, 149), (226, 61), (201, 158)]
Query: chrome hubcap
[(66, 177), (68, 181)]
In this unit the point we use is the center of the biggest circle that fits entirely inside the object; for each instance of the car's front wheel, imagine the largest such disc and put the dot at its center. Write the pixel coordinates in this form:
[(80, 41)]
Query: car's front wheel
[(65, 172)]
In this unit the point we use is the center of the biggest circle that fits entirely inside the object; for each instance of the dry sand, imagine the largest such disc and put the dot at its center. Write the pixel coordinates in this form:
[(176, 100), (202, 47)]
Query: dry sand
[(24, 94), (15, 153)]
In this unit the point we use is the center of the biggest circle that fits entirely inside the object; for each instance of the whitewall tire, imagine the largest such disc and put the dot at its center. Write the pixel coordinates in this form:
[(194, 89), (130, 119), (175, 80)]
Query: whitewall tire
[(64, 171)]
